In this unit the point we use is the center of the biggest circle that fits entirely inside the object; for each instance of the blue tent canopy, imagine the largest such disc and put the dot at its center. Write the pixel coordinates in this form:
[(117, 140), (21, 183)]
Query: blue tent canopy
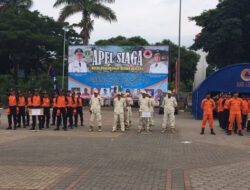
[(228, 79)]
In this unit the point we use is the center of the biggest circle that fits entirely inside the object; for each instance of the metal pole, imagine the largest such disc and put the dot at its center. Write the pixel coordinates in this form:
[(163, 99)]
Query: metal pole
[(64, 36), (179, 53)]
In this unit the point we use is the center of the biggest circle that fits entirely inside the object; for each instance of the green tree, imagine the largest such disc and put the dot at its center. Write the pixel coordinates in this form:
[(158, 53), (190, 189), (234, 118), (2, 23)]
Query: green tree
[(225, 33), (123, 41), (30, 41), (89, 9), (15, 4), (189, 60)]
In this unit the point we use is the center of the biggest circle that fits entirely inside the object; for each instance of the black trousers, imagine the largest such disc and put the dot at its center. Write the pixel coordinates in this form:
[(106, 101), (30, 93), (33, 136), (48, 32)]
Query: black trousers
[(70, 115), (46, 116), (21, 116), (248, 125), (54, 116), (220, 118), (40, 118), (59, 118), (12, 115), (79, 112), (244, 121), (28, 116), (225, 119)]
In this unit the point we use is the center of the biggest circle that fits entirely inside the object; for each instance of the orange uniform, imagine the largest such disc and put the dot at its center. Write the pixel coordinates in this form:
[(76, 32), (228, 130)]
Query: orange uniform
[(244, 107), (46, 102), (61, 102), (248, 106), (208, 106), (226, 105), (235, 106), (12, 101), (29, 104), (220, 107), (69, 101), (54, 103), (21, 101), (79, 100), (36, 100), (75, 104)]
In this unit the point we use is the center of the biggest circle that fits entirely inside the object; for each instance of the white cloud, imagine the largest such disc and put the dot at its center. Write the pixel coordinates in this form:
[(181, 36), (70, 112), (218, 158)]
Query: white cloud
[(154, 20)]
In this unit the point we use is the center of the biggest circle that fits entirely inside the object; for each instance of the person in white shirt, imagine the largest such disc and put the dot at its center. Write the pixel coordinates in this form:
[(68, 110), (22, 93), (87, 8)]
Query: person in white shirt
[(158, 66), (78, 66), (119, 105), (95, 111), (169, 104)]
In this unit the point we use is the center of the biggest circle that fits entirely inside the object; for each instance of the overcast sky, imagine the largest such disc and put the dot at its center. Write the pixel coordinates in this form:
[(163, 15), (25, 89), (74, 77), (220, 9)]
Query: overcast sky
[(153, 20)]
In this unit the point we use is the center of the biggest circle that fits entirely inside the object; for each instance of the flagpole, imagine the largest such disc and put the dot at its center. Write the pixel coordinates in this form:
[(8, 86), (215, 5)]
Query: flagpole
[(179, 53), (64, 36)]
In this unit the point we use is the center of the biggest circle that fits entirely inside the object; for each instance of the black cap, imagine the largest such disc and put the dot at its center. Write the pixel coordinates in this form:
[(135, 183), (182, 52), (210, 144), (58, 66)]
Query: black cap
[(78, 50), (157, 52)]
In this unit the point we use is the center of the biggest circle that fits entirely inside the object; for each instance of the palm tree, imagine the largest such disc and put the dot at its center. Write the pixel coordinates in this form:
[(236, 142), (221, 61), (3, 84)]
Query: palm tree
[(15, 4), (89, 9)]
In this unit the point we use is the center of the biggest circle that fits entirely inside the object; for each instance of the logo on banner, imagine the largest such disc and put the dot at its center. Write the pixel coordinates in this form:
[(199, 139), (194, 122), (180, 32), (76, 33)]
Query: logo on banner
[(245, 75), (87, 53), (148, 54)]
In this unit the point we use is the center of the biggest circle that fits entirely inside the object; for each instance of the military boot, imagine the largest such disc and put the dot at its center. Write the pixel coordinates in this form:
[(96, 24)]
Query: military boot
[(163, 130), (212, 132), (99, 129), (91, 129), (202, 131), (240, 133)]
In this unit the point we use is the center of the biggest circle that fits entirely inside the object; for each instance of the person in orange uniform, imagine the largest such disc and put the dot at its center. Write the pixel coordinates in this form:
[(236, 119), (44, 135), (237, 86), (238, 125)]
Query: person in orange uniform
[(225, 104), (244, 111), (220, 109), (79, 107), (61, 111), (69, 116), (46, 109), (36, 104), (208, 105), (74, 107), (21, 109), (12, 109), (29, 106), (248, 115), (235, 107), (54, 109)]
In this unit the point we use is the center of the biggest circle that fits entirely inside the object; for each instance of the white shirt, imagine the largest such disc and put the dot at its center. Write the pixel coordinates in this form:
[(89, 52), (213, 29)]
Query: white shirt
[(78, 67), (158, 68), (169, 104), (119, 105), (95, 104)]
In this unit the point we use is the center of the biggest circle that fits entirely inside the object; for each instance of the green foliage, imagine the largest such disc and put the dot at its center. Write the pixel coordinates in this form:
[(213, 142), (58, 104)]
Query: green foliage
[(31, 42), (123, 41), (225, 33), (6, 5), (89, 9), (189, 60)]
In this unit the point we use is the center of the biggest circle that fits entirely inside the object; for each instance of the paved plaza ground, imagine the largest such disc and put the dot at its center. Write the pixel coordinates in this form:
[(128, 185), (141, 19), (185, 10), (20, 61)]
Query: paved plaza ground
[(79, 160)]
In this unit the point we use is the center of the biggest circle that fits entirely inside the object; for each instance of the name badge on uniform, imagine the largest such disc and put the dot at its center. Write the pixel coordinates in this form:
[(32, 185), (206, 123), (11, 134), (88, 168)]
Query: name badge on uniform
[(146, 114)]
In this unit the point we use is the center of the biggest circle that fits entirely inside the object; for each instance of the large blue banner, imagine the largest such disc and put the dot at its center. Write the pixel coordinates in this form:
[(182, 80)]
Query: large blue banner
[(112, 68)]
